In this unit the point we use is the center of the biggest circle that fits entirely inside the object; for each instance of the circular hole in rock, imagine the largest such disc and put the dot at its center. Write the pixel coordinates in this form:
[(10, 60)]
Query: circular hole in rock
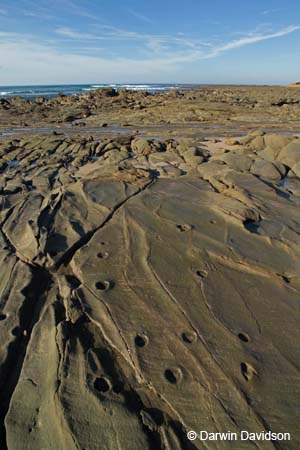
[(3, 316), (189, 337), (104, 285), (248, 371), (184, 227), (171, 376), (141, 340), (244, 368), (201, 274), (243, 337), (102, 385), (102, 255)]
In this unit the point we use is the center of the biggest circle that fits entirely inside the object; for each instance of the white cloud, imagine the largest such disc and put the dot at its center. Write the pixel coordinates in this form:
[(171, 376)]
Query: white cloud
[(216, 50), (139, 16), (27, 60), (270, 11), (177, 47), (148, 45), (251, 40), (76, 9), (258, 38), (38, 15), (77, 35)]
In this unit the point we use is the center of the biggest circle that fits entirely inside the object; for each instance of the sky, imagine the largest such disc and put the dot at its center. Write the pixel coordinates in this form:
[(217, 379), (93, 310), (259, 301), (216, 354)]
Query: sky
[(121, 41)]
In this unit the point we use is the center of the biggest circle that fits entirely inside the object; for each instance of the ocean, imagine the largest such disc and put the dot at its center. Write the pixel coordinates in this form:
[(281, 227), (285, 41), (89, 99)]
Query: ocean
[(49, 91)]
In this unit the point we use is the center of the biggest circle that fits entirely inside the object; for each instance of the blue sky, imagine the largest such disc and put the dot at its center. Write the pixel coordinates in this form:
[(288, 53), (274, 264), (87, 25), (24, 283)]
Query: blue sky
[(111, 41)]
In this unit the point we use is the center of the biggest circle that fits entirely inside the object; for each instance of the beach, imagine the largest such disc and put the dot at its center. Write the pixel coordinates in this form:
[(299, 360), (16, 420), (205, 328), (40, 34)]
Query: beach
[(150, 269)]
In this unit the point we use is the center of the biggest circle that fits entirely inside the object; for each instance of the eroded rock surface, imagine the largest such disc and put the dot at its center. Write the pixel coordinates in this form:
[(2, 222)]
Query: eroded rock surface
[(253, 105), (147, 289)]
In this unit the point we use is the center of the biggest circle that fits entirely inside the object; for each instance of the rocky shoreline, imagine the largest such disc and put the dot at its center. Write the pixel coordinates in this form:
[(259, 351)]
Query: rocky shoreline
[(254, 106), (150, 278)]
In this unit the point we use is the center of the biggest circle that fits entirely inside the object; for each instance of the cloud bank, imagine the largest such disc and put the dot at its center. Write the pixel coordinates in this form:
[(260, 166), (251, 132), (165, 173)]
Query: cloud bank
[(25, 59)]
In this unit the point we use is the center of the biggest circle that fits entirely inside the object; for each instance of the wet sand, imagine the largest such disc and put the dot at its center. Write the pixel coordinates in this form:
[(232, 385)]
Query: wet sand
[(150, 281)]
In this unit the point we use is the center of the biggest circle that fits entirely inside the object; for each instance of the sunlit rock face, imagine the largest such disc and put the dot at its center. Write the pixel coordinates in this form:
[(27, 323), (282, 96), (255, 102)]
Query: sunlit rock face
[(148, 287)]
